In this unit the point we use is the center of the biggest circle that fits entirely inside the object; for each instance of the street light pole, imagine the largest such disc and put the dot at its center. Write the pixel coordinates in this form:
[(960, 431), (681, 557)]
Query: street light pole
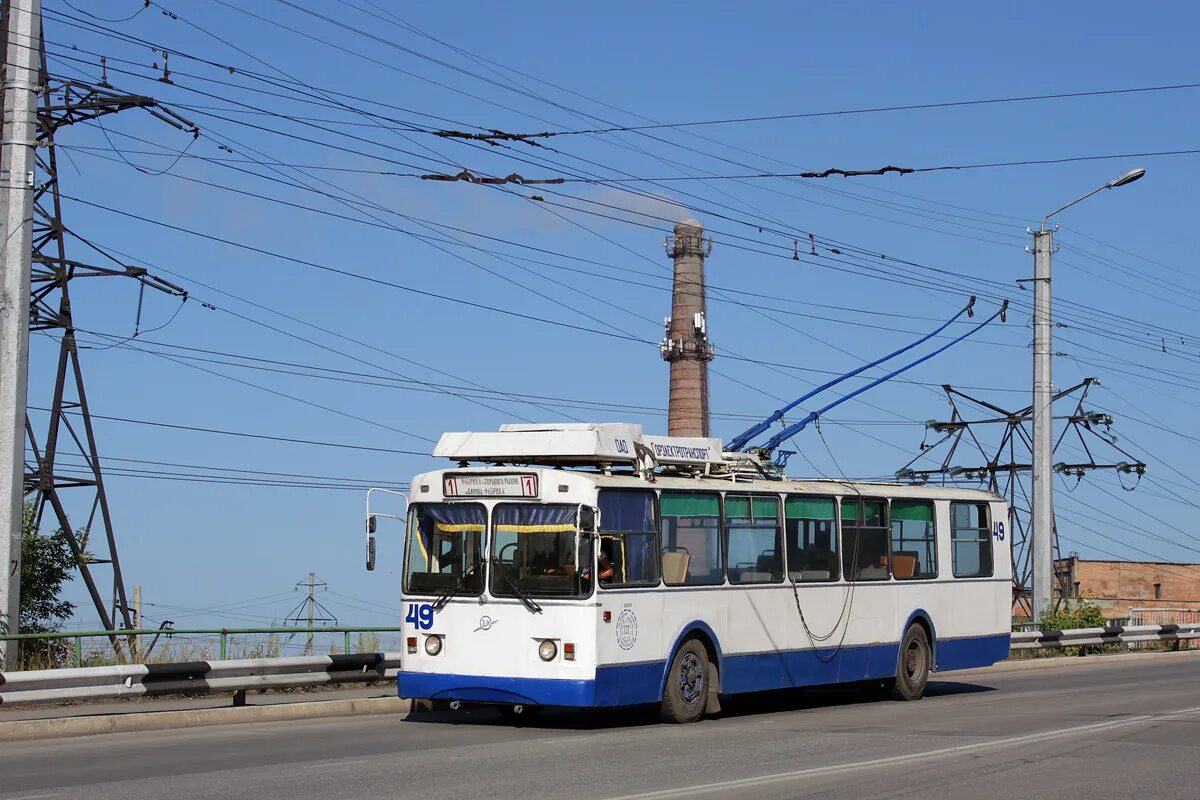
[(1043, 416), (23, 26), (1043, 410)]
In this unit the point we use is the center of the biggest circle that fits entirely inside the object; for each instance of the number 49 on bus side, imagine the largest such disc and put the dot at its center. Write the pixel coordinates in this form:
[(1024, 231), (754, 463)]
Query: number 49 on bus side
[(420, 616)]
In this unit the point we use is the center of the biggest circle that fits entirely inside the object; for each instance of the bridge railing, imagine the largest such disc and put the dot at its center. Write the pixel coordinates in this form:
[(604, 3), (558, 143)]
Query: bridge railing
[(194, 677), (1115, 635), (240, 675), (148, 645)]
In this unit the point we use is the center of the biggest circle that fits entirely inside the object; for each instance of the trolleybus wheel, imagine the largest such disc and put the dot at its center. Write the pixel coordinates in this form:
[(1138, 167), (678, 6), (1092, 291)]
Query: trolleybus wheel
[(686, 693), (912, 667)]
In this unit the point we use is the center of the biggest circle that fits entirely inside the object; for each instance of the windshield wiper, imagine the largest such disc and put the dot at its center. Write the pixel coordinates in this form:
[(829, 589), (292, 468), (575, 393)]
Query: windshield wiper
[(458, 586), (525, 599)]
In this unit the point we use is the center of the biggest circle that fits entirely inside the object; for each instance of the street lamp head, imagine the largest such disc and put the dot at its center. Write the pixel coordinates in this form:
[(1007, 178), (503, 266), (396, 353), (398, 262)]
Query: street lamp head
[(1128, 177)]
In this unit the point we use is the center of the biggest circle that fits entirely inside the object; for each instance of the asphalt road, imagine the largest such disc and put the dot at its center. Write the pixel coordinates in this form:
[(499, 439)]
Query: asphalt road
[(1089, 730)]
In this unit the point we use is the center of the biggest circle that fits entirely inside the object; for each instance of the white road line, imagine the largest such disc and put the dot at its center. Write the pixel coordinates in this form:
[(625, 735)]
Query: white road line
[(335, 763), (833, 769), (35, 796)]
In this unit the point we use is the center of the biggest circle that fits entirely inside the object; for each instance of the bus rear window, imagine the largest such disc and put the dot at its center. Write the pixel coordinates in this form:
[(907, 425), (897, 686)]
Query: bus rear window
[(970, 540), (444, 548)]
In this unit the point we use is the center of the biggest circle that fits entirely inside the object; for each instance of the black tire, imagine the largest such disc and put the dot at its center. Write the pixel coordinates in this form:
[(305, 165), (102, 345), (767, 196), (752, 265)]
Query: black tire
[(520, 713), (913, 665), (686, 694)]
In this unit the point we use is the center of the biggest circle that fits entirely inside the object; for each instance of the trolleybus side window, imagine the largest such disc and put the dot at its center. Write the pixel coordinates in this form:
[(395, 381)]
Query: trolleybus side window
[(629, 537), (691, 538), (752, 525), (811, 539), (914, 543), (444, 548), (970, 540), (537, 550), (864, 539)]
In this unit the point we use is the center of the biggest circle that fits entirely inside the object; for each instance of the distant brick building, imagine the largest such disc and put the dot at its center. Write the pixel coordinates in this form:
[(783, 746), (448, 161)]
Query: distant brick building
[(1123, 588)]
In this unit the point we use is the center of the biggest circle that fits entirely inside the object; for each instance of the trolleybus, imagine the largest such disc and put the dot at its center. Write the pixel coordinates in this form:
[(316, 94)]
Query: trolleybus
[(589, 565)]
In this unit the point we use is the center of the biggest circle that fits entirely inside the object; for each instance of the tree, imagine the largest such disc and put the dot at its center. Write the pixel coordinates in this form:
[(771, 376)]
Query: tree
[(47, 564)]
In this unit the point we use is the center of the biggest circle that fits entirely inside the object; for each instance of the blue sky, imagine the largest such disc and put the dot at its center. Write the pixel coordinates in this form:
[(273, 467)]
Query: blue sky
[(593, 254)]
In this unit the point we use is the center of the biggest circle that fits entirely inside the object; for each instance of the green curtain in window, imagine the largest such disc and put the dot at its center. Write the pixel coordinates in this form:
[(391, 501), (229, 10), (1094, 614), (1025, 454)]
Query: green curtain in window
[(689, 505), (809, 508), (912, 510), (737, 507), (872, 511), (766, 508)]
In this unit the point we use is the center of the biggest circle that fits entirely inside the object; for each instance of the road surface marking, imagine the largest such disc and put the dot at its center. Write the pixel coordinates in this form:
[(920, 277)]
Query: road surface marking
[(833, 769)]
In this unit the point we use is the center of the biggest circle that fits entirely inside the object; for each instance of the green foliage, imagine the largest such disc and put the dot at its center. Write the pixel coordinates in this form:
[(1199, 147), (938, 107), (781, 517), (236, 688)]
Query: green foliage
[(47, 565), (1083, 615)]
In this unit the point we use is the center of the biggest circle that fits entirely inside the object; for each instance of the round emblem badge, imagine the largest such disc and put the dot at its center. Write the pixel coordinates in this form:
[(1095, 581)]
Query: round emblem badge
[(627, 630)]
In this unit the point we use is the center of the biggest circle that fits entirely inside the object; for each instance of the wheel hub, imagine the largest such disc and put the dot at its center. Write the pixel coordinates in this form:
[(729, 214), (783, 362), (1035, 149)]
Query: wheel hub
[(691, 678)]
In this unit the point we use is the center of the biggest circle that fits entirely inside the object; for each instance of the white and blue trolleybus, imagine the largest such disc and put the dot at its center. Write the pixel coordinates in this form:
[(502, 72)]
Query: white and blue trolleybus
[(590, 565)]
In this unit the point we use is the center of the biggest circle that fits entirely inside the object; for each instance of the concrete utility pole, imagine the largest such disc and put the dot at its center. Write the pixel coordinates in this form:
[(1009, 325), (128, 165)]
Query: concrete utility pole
[(137, 622), (1043, 405), (686, 345), (23, 30), (1043, 421)]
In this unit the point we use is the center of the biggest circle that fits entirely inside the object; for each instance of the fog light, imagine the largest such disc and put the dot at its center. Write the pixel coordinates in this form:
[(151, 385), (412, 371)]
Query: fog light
[(412, 644), (547, 650), (433, 645), (569, 651)]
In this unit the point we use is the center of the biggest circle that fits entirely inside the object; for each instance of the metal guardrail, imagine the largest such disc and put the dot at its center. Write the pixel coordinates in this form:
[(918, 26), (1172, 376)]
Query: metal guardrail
[(200, 677), (195, 677), (1117, 634), (221, 634)]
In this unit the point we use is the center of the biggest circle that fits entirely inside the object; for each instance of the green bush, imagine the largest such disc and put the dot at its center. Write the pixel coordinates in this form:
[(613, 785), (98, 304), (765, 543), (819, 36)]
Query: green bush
[(1083, 615)]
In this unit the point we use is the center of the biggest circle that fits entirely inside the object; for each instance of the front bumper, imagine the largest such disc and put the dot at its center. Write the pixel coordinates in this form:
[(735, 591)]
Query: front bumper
[(494, 689)]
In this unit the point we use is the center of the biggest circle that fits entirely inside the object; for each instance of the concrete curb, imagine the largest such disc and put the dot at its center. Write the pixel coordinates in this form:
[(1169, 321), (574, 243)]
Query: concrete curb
[(21, 730), (1069, 662)]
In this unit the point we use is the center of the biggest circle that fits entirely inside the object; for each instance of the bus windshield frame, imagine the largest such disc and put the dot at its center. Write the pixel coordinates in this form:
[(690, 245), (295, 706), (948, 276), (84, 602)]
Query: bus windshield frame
[(444, 551), (535, 550)]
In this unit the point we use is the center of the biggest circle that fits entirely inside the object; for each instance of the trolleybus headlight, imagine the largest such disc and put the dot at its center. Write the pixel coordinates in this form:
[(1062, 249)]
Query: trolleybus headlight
[(433, 645), (547, 650)]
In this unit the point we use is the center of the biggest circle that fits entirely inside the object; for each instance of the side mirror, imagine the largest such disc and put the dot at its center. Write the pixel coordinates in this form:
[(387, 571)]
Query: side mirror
[(371, 524), (587, 518), (371, 553)]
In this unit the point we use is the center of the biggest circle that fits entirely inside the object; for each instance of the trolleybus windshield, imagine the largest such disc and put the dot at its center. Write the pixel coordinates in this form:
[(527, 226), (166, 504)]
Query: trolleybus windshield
[(538, 550)]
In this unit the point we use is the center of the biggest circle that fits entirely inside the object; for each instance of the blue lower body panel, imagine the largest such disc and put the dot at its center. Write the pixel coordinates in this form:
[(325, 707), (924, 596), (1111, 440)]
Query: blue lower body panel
[(632, 684), (977, 651), (494, 689)]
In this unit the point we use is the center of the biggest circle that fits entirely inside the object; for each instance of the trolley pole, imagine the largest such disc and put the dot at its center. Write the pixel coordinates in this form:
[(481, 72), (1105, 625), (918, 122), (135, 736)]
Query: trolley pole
[(22, 25), (1043, 418)]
